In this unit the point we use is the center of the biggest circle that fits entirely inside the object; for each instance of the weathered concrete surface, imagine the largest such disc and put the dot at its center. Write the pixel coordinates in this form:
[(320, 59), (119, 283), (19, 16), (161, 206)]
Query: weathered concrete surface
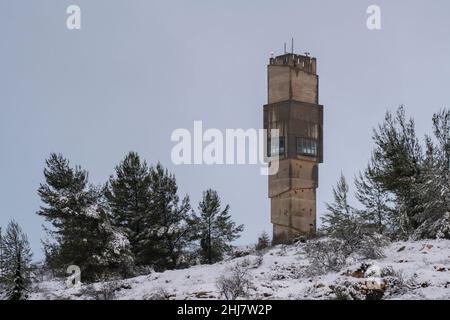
[(293, 108)]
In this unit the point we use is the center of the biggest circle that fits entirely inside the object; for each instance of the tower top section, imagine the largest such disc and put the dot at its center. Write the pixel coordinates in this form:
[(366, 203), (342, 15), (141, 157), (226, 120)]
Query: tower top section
[(293, 77), (304, 62)]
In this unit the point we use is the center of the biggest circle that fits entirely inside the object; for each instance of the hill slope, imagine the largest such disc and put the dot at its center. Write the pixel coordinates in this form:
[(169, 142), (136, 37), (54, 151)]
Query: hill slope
[(410, 270)]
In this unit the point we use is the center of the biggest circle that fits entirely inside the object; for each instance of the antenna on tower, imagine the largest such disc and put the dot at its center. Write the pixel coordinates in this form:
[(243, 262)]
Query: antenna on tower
[(292, 46)]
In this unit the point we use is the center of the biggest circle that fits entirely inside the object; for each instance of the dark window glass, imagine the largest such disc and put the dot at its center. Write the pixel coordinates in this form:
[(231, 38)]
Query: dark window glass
[(274, 150), (307, 147)]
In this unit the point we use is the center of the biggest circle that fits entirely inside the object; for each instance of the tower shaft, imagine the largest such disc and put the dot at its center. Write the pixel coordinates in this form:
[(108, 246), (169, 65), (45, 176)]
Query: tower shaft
[(293, 108)]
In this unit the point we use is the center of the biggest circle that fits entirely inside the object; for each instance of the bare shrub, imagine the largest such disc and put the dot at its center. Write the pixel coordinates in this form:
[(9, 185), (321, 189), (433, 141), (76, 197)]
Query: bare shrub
[(283, 250), (359, 290), (142, 271), (325, 255), (108, 291), (347, 291), (259, 259), (242, 252), (371, 246), (159, 294), (101, 291), (253, 262), (396, 282), (236, 284)]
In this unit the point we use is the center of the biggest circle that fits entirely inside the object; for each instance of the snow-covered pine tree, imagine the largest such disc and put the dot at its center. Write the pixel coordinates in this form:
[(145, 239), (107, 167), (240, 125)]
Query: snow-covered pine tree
[(263, 241), (144, 202), (340, 221), (2, 258), (109, 248), (19, 288), (167, 234), (434, 210), (396, 166), (128, 194), (80, 230), (214, 228), (17, 261), (377, 213), (65, 195), (348, 230)]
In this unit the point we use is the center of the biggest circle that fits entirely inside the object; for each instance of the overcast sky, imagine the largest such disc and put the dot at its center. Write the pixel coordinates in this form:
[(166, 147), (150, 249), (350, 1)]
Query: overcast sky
[(140, 69)]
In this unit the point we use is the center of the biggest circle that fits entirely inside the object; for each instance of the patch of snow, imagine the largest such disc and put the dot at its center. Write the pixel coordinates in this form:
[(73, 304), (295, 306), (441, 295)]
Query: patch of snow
[(424, 266)]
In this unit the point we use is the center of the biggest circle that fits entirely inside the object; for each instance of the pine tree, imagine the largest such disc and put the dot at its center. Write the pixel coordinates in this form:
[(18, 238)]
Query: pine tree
[(263, 241), (108, 248), (434, 211), (345, 224), (396, 167), (214, 228), (168, 233), (2, 258), (339, 220), (80, 232), (144, 202), (18, 291), (377, 213), (128, 194), (17, 261)]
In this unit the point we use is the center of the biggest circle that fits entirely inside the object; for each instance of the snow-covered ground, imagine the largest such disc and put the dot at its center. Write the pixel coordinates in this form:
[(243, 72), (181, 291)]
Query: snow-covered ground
[(415, 270)]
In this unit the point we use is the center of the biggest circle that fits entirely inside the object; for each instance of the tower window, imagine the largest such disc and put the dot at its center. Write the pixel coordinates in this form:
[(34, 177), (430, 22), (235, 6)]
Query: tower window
[(307, 147), (275, 150)]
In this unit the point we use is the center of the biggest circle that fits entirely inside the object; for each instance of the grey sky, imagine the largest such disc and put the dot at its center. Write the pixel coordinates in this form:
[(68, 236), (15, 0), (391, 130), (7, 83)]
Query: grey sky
[(140, 69)]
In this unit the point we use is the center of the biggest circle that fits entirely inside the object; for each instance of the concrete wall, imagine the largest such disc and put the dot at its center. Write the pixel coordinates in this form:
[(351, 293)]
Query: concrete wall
[(293, 109), (293, 174), (287, 83)]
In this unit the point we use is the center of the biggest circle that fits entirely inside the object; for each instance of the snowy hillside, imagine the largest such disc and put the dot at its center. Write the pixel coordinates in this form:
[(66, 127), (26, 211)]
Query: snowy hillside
[(410, 270)]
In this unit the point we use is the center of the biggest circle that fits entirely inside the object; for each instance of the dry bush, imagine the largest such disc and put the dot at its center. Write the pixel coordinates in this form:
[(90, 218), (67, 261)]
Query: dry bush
[(325, 255), (159, 294), (103, 291), (396, 282), (371, 246), (347, 291), (236, 283)]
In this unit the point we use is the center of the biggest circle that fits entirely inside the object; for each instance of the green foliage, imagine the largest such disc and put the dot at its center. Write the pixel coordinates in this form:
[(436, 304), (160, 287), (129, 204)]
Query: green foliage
[(214, 228), (397, 167), (144, 202), (16, 263), (433, 211), (168, 235), (377, 213), (405, 192), (342, 222), (2, 258), (128, 195), (81, 233), (136, 220)]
